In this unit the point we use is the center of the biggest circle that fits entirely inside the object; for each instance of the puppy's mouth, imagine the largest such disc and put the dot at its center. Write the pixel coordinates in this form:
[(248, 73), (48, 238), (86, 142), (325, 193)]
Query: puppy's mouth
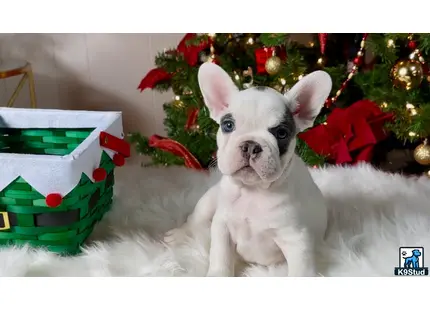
[(245, 170)]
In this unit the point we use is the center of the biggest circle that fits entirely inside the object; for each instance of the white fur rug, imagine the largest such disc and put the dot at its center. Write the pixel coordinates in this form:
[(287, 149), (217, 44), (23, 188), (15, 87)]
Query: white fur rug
[(371, 215)]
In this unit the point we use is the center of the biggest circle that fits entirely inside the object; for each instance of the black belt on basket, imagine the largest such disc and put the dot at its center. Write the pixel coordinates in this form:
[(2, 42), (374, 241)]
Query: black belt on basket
[(49, 219)]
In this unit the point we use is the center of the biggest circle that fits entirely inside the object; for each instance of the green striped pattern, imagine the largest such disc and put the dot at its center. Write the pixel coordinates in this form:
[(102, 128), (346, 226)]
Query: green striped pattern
[(41, 141), (63, 229)]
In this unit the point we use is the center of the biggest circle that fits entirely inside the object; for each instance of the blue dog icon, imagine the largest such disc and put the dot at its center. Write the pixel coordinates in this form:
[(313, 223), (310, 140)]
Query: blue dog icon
[(413, 261)]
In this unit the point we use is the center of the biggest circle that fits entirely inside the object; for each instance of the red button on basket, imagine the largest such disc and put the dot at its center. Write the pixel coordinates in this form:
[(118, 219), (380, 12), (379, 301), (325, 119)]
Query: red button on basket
[(53, 200), (99, 174)]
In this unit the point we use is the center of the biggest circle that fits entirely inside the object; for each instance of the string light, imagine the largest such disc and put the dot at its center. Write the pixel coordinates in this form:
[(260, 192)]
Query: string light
[(250, 41), (411, 109), (212, 35), (311, 43), (412, 134), (320, 61), (178, 103), (236, 77), (390, 43), (283, 81), (211, 57), (384, 105), (300, 77), (358, 60)]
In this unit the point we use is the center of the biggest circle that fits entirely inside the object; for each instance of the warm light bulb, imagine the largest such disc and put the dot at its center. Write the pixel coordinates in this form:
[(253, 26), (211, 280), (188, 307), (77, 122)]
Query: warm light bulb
[(409, 106), (390, 43), (320, 61), (325, 123), (177, 98), (283, 81), (412, 134), (413, 112), (251, 41), (237, 77), (300, 77), (384, 105), (311, 44), (212, 35)]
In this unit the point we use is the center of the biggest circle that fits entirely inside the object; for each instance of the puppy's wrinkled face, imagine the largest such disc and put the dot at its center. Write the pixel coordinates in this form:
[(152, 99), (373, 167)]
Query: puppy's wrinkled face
[(258, 126), (256, 138)]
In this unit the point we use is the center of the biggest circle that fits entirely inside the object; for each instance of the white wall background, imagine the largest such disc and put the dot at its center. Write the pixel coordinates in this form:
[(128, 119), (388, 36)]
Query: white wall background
[(91, 72)]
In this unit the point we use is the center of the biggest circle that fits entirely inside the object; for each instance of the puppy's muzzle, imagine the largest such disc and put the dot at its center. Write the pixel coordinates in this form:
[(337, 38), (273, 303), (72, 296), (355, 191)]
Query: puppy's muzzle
[(250, 150)]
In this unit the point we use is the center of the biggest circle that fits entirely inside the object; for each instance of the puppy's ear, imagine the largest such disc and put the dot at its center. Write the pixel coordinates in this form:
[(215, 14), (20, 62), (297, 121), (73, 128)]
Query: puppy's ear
[(217, 87), (307, 97)]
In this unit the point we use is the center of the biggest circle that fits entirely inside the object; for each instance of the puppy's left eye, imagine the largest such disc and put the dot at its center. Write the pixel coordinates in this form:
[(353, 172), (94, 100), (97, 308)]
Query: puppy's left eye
[(227, 126), (281, 133)]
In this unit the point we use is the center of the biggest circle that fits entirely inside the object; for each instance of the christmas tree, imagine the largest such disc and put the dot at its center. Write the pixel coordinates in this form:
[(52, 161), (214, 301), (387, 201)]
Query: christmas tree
[(378, 111)]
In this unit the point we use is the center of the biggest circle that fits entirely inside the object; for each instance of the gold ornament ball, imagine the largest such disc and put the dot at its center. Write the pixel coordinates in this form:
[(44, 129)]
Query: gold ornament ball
[(273, 64), (407, 74), (178, 104), (422, 154)]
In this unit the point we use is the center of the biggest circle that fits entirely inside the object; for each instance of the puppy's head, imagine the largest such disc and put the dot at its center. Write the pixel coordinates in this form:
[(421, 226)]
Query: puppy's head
[(258, 126)]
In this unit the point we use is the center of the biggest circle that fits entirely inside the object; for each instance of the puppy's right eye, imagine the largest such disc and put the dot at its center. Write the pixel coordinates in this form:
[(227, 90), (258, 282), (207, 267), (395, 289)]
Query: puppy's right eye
[(227, 126)]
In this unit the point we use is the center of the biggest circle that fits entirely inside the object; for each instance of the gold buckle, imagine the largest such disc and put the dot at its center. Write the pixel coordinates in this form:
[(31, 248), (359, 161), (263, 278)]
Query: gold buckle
[(6, 222)]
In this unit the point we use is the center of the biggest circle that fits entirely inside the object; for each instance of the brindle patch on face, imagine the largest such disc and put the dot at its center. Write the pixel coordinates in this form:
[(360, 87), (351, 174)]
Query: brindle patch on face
[(228, 116), (284, 132), (260, 88)]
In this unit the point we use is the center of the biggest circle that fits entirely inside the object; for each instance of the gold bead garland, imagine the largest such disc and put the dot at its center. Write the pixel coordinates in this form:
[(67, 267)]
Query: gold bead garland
[(358, 60)]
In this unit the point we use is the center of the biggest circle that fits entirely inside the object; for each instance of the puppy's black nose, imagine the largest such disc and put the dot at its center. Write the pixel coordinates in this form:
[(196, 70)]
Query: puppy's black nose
[(250, 149)]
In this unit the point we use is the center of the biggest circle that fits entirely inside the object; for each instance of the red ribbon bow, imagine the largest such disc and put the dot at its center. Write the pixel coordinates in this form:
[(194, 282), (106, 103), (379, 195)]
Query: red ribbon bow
[(349, 134), (191, 56)]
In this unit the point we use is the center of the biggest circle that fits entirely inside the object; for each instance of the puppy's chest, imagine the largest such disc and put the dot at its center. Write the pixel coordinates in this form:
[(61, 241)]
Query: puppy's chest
[(252, 215)]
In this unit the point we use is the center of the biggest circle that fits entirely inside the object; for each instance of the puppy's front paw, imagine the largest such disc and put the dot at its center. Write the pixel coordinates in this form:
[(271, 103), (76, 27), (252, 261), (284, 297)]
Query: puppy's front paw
[(175, 235)]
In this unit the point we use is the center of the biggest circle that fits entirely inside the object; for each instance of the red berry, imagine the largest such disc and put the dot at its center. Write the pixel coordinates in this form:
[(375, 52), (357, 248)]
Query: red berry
[(53, 200), (99, 174), (118, 160), (412, 45)]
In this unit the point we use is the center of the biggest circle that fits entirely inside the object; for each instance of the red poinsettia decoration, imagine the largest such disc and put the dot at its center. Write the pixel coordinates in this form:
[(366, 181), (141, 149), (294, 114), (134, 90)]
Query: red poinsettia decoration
[(350, 134)]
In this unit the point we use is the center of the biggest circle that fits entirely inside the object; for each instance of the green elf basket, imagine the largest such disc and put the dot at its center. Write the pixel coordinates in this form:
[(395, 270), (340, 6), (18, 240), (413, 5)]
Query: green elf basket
[(56, 175)]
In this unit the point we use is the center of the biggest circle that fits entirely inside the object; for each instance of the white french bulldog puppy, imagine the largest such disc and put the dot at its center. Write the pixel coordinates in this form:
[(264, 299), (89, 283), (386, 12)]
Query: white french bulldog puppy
[(266, 208)]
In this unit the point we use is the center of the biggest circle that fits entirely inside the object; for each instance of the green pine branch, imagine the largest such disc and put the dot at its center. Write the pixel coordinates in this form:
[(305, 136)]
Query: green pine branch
[(235, 54)]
